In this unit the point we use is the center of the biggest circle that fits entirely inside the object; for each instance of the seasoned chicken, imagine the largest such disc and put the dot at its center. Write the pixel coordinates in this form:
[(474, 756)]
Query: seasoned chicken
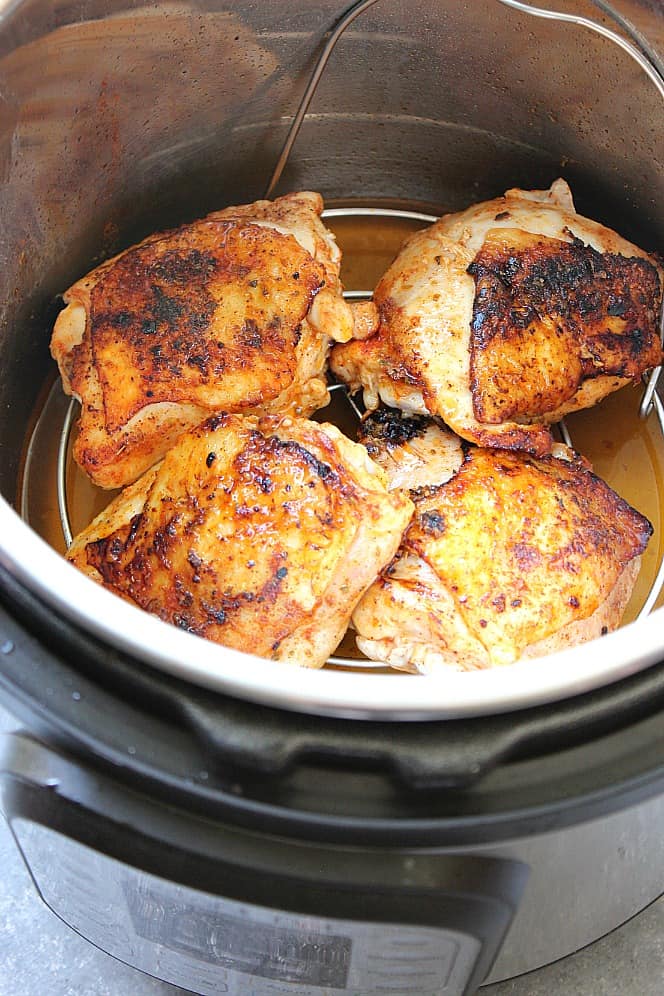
[(503, 318), (234, 312), (508, 556), (257, 533)]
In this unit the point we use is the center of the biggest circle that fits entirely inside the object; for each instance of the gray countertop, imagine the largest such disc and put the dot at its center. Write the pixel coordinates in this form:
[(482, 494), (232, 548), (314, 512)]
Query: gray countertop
[(40, 955)]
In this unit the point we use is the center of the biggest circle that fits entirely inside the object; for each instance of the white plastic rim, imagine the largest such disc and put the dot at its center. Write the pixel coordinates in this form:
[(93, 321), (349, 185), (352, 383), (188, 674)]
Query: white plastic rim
[(328, 692)]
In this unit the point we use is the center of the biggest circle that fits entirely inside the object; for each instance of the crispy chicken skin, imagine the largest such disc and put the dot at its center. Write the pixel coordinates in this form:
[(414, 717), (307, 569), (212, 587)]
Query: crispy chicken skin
[(508, 556), (234, 312), (414, 451), (503, 318), (256, 533)]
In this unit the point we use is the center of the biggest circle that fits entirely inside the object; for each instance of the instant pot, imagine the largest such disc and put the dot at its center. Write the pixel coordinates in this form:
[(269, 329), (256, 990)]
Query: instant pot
[(229, 824)]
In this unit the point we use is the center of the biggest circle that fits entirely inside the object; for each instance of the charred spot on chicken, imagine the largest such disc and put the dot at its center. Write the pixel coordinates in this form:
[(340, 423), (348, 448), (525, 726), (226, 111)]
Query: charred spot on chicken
[(548, 315)]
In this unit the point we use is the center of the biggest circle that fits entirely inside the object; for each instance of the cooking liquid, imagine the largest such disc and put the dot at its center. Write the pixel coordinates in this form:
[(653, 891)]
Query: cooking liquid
[(624, 450)]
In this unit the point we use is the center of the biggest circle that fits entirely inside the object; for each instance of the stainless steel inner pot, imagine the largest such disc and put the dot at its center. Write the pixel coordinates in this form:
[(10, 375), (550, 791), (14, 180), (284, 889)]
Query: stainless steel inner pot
[(118, 120)]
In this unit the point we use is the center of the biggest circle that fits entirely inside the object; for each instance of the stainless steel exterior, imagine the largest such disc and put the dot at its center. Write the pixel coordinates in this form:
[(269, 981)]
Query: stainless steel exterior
[(581, 882), (584, 882), (117, 119)]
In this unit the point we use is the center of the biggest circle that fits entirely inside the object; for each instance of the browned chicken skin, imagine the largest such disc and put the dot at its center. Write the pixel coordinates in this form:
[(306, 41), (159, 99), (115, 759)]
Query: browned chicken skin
[(235, 312), (505, 317), (264, 531), (260, 534), (548, 316), (507, 555)]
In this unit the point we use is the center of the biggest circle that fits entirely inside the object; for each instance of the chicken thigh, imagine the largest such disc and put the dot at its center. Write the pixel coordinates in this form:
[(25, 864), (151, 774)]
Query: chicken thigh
[(505, 317), (234, 312), (508, 556), (257, 533)]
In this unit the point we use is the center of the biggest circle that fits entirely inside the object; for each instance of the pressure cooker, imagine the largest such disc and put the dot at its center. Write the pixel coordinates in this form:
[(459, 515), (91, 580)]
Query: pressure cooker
[(234, 825)]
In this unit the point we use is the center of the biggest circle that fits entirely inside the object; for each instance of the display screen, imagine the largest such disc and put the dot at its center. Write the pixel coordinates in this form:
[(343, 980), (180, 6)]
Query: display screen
[(211, 944), (263, 950)]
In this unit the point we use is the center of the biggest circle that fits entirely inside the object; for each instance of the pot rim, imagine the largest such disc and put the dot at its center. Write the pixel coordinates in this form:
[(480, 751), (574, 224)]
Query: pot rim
[(395, 696)]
